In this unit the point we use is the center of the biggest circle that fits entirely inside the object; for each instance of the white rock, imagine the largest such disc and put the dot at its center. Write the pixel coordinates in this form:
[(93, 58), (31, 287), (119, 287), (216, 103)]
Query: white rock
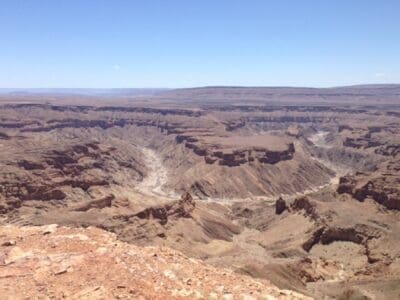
[(228, 297)]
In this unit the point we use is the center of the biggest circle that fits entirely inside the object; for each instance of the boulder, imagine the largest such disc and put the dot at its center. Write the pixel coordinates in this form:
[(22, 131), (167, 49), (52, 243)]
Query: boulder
[(280, 206)]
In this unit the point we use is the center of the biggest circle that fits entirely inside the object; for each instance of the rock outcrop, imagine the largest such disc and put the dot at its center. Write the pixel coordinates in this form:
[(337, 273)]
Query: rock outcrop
[(303, 204), (280, 206), (4, 136), (385, 190), (245, 156), (326, 235), (49, 174), (96, 204), (177, 209), (225, 156), (59, 262)]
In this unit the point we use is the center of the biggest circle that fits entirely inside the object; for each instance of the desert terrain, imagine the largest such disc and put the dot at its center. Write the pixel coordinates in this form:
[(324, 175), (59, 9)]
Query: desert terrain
[(296, 190)]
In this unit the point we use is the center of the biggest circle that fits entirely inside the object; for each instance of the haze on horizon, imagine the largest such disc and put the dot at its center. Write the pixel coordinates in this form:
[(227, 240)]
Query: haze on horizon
[(127, 44)]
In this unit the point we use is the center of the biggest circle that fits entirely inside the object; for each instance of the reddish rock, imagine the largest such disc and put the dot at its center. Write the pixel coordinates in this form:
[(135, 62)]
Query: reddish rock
[(75, 269)]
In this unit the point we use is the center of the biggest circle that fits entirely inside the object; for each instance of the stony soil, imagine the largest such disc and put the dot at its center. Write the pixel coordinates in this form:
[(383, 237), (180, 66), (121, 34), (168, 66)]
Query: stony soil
[(52, 262)]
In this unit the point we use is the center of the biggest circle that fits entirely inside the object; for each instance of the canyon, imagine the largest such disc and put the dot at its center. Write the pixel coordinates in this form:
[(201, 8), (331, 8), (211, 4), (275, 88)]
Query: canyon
[(294, 190)]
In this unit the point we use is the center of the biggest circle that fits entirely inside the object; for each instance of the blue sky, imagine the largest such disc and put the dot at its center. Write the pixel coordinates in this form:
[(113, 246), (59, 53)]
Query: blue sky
[(171, 43)]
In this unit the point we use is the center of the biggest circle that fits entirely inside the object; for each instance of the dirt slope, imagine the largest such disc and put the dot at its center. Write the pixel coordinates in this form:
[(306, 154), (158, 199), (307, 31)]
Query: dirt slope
[(65, 263)]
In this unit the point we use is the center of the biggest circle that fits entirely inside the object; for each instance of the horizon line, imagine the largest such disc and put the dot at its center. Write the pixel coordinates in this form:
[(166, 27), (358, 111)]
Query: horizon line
[(199, 86)]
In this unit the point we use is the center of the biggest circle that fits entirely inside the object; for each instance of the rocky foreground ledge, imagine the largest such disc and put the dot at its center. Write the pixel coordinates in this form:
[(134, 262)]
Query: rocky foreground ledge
[(51, 262)]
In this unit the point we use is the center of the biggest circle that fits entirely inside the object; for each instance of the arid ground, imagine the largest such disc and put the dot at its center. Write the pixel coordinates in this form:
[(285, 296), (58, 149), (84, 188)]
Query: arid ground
[(298, 187)]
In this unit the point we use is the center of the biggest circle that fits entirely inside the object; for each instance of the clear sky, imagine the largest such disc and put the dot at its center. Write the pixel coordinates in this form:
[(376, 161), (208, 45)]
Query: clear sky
[(181, 43)]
